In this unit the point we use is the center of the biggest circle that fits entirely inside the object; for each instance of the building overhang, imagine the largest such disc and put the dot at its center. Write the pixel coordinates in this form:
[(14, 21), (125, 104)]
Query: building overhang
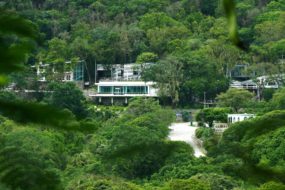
[(124, 83), (121, 95)]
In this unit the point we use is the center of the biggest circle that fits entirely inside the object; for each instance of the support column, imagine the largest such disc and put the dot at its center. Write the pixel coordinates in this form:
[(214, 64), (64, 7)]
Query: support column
[(112, 100), (126, 100)]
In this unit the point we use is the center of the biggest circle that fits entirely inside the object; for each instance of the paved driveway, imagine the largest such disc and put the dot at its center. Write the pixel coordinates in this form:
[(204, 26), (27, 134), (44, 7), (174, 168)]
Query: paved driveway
[(185, 132)]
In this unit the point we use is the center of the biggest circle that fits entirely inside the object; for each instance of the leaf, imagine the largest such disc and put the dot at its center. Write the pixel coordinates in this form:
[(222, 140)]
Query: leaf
[(18, 37), (230, 11), (25, 112)]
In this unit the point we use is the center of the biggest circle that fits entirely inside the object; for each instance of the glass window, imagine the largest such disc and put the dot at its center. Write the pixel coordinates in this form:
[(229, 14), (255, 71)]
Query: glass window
[(136, 90), (105, 89), (68, 77)]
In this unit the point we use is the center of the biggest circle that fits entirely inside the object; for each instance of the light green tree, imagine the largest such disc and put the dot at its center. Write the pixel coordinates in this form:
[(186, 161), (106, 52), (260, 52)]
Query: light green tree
[(235, 98)]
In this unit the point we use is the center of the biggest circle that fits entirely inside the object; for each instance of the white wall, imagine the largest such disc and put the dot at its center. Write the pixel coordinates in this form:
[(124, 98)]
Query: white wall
[(233, 118)]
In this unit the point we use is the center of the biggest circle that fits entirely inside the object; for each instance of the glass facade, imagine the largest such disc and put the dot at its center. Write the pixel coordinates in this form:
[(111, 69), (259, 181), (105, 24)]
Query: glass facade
[(123, 90), (106, 89), (78, 71)]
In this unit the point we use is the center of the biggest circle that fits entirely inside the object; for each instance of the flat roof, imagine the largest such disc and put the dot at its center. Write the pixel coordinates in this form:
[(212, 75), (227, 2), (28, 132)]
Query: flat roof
[(121, 95), (241, 114), (124, 83)]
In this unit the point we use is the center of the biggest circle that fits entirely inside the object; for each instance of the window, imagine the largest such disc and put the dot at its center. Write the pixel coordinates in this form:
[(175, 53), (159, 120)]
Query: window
[(136, 89), (105, 89), (121, 73), (68, 77)]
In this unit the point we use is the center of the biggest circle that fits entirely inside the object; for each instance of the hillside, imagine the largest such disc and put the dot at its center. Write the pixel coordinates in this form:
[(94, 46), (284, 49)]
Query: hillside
[(54, 137), (193, 34)]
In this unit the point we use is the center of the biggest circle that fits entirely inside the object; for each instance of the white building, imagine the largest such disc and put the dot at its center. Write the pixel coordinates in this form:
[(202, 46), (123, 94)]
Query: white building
[(273, 82), (233, 118), (121, 82), (124, 89)]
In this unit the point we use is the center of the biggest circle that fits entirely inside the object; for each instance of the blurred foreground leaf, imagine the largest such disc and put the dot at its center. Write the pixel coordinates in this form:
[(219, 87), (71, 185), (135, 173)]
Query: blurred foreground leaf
[(26, 112), (230, 11), (18, 38)]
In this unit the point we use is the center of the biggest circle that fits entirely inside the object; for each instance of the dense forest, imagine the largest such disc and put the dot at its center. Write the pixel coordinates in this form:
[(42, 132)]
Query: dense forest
[(191, 34), (61, 140)]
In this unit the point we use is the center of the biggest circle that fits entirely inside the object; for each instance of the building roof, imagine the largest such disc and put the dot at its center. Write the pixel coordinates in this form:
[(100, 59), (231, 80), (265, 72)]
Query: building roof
[(124, 83), (241, 114)]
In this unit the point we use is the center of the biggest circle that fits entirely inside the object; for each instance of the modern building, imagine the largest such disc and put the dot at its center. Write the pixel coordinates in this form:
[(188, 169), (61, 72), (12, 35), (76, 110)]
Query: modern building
[(267, 81), (74, 74), (233, 118), (119, 83), (118, 72), (239, 72), (110, 91)]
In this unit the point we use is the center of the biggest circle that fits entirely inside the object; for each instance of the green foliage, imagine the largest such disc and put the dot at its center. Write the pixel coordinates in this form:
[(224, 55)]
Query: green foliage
[(25, 112), (21, 170), (209, 115), (189, 184), (204, 133), (136, 143), (170, 78), (147, 57), (258, 143), (272, 185), (17, 39), (235, 98), (185, 116), (190, 43), (94, 182), (259, 108), (229, 7), (278, 99), (103, 113), (216, 181), (8, 96), (43, 145), (268, 94), (67, 95), (268, 151), (30, 158)]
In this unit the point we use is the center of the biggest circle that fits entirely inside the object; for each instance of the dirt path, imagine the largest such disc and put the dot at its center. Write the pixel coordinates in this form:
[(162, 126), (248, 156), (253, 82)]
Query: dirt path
[(185, 132)]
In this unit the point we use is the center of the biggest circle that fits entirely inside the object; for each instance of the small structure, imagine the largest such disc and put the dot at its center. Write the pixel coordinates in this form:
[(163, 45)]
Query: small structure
[(238, 72), (233, 118), (271, 82), (220, 127)]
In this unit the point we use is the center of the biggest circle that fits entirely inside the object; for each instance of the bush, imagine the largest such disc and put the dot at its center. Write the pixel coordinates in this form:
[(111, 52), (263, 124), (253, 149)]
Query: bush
[(209, 115), (136, 139), (259, 143), (217, 181), (189, 184), (185, 116), (68, 95), (272, 185), (204, 133), (278, 99)]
